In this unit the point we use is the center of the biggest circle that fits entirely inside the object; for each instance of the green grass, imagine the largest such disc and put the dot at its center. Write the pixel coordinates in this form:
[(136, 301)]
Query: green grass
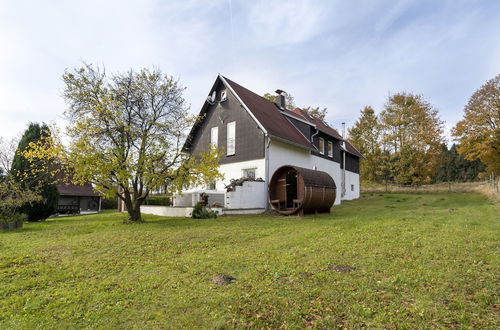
[(421, 261)]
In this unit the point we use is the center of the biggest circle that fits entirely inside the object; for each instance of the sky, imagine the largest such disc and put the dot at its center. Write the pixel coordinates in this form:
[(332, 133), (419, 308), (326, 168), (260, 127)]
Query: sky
[(342, 55)]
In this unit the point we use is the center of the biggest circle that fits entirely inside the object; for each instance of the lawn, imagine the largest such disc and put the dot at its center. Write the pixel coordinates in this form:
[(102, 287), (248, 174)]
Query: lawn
[(394, 260)]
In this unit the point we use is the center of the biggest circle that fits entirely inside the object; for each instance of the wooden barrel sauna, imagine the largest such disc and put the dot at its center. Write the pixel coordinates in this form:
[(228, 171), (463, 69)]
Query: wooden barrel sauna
[(298, 190)]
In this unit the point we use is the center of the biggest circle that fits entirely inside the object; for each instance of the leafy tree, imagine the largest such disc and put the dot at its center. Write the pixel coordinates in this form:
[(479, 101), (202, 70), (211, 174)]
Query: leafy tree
[(126, 135), (479, 130), (413, 134), (40, 182), (316, 112), (366, 135)]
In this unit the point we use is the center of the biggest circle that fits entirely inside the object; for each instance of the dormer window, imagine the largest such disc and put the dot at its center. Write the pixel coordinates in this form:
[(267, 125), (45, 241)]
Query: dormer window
[(223, 95)]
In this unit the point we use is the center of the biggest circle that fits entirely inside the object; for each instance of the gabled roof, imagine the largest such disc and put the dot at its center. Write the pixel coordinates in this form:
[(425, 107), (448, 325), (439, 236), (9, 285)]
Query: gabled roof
[(268, 114), (66, 188), (273, 120), (352, 150)]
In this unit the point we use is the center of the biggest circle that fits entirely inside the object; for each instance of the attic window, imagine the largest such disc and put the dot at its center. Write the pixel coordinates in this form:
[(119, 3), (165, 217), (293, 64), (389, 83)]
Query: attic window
[(330, 149), (322, 146), (223, 95)]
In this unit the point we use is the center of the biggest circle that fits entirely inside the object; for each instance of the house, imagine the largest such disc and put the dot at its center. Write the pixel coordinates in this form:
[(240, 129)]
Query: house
[(77, 199), (258, 137)]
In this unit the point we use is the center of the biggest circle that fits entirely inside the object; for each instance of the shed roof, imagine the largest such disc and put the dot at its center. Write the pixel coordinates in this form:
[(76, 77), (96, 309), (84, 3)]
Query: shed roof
[(67, 189)]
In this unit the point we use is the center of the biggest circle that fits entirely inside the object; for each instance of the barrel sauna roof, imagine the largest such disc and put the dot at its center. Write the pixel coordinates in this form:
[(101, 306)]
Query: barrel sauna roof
[(313, 177)]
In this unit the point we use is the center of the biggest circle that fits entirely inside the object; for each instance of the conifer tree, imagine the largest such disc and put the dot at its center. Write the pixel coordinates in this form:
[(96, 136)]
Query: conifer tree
[(41, 181)]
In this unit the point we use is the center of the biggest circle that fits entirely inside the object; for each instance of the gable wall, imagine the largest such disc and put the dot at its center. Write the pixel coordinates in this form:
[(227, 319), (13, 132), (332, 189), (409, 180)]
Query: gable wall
[(249, 137)]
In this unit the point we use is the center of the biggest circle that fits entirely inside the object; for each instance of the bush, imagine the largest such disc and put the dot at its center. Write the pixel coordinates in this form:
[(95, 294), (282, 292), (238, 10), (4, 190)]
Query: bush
[(21, 217), (202, 212), (12, 198), (109, 203), (161, 200)]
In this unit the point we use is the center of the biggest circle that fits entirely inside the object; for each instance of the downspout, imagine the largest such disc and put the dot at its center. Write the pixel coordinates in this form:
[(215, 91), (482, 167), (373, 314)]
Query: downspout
[(342, 194), (312, 136), (267, 140)]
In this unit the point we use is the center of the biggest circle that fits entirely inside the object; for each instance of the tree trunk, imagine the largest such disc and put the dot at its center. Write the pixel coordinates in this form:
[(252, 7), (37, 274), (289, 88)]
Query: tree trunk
[(134, 214), (133, 207)]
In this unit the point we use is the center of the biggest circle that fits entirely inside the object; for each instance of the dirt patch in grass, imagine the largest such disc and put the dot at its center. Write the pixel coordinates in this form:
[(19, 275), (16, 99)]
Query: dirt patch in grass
[(222, 279), (341, 268)]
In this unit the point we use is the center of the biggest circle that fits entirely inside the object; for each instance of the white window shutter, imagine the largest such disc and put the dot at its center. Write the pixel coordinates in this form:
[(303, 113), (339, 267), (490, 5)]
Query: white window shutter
[(231, 138)]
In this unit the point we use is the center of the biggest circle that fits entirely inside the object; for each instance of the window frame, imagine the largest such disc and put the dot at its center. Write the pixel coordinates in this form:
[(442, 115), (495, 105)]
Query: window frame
[(330, 149), (231, 127), (321, 146), (216, 130), (248, 169)]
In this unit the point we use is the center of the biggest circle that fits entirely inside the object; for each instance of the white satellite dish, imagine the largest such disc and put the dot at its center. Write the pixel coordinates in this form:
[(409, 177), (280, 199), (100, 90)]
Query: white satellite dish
[(211, 98)]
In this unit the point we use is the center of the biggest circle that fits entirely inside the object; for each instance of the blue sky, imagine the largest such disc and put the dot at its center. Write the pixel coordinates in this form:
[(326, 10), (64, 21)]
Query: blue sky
[(342, 55)]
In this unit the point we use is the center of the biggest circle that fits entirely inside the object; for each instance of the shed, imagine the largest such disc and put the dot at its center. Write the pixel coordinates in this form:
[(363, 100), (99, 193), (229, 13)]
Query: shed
[(298, 190), (77, 199)]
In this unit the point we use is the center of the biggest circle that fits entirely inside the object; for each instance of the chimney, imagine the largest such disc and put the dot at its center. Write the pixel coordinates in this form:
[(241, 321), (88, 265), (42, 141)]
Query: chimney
[(280, 99)]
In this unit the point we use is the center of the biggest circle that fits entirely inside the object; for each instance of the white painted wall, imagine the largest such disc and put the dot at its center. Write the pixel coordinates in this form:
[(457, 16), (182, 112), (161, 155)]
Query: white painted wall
[(279, 154), (351, 179), (285, 154), (167, 211), (234, 171), (251, 195)]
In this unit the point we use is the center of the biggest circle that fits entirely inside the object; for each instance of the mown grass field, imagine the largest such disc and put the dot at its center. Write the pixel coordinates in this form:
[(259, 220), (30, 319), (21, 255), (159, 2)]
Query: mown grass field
[(420, 261)]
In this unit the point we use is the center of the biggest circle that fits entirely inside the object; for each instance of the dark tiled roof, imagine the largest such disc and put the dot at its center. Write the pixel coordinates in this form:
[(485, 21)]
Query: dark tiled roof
[(315, 121), (66, 189), (351, 149), (274, 122), (269, 116)]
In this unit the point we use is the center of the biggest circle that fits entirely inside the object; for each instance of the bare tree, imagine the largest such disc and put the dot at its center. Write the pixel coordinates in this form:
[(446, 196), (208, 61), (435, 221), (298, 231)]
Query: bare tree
[(8, 147)]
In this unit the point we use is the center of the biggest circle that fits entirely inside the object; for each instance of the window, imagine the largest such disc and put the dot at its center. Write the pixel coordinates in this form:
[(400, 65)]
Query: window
[(214, 136), (211, 185), (249, 173), (231, 138), (330, 149), (321, 146), (352, 187), (223, 95)]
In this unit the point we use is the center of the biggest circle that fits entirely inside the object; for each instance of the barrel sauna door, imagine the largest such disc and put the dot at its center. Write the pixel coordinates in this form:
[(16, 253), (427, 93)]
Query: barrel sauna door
[(291, 188)]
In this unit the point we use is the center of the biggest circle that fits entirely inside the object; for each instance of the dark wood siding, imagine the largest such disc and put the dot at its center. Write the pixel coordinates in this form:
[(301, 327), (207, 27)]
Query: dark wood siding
[(304, 128), (250, 141), (351, 163), (336, 147)]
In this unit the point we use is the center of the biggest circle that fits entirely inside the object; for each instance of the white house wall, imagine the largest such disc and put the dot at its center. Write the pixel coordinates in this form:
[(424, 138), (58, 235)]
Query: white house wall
[(285, 154), (351, 185), (235, 171)]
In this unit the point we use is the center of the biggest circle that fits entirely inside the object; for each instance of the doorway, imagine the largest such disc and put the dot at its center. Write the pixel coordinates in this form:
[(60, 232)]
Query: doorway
[(291, 188)]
